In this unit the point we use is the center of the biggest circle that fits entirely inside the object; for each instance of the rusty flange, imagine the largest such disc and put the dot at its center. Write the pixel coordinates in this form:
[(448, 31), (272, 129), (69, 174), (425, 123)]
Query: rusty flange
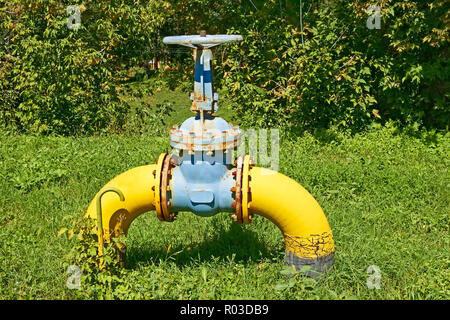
[(206, 139), (162, 175), (237, 204), (246, 218), (157, 186), (242, 189)]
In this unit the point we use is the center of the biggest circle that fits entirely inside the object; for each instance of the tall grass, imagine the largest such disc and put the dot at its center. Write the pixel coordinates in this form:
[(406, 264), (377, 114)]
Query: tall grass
[(386, 196)]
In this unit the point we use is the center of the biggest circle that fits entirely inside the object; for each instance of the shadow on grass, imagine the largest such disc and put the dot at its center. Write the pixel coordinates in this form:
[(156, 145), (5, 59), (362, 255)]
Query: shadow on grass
[(238, 245)]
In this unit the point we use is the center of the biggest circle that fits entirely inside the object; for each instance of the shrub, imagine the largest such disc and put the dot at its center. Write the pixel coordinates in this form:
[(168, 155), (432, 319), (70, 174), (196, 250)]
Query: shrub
[(55, 79), (341, 72)]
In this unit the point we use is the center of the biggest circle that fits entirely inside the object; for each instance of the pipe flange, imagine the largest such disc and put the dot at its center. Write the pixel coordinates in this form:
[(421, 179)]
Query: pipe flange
[(246, 191), (237, 204), (242, 190), (165, 177), (162, 175), (207, 139), (157, 175)]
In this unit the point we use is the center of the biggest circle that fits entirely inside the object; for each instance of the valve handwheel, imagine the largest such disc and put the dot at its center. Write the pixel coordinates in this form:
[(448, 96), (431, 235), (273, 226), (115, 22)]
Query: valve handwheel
[(204, 99), (202, 40)]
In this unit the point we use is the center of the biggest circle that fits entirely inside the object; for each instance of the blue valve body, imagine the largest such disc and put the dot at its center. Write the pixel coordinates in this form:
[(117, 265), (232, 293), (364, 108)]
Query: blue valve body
[(202, 186)]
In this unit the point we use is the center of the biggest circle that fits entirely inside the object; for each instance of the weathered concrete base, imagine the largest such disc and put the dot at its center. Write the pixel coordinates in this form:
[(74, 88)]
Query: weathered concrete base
[(319, 266)]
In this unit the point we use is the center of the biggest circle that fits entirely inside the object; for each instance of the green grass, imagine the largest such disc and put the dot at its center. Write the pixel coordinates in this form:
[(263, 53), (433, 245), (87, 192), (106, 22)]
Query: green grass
[(386, 197)]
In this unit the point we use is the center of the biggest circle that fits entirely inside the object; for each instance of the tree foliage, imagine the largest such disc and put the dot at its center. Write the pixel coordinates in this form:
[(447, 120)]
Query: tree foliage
[(319, 68), (56, 79), (342, 72)]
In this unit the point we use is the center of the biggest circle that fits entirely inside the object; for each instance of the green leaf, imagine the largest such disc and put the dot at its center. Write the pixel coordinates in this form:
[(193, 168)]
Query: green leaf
[(281, 286)]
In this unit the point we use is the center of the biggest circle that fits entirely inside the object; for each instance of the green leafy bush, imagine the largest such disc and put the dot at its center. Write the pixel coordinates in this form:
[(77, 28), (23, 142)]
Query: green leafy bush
[(333, 70), (99, 283), (338, 71), (56, 79), (409, 61)]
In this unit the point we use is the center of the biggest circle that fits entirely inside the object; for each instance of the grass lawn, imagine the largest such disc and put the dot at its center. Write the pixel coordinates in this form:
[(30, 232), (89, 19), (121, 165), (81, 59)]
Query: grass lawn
[(386, 197)]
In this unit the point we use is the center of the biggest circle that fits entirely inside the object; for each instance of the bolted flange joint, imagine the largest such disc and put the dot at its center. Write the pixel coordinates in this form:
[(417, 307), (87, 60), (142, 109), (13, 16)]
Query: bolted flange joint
[(162, 175), (241, 190)]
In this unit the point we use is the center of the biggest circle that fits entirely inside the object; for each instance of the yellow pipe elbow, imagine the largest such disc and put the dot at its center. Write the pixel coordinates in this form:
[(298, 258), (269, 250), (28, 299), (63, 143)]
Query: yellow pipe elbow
[(136, 185), (307, 234)]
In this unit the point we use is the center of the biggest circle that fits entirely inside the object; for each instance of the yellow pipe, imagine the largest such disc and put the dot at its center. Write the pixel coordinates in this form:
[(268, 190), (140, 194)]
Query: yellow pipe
[(307, 234), (136, 185), (308, 237)]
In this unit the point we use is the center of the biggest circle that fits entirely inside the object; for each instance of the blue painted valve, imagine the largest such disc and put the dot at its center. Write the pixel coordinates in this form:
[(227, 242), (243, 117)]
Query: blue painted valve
[(202, 173)]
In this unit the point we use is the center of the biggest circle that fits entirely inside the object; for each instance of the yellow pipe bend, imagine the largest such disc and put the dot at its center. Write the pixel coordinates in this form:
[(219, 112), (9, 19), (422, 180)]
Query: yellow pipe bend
[(136, 185), (307, 234), (308, 237)]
